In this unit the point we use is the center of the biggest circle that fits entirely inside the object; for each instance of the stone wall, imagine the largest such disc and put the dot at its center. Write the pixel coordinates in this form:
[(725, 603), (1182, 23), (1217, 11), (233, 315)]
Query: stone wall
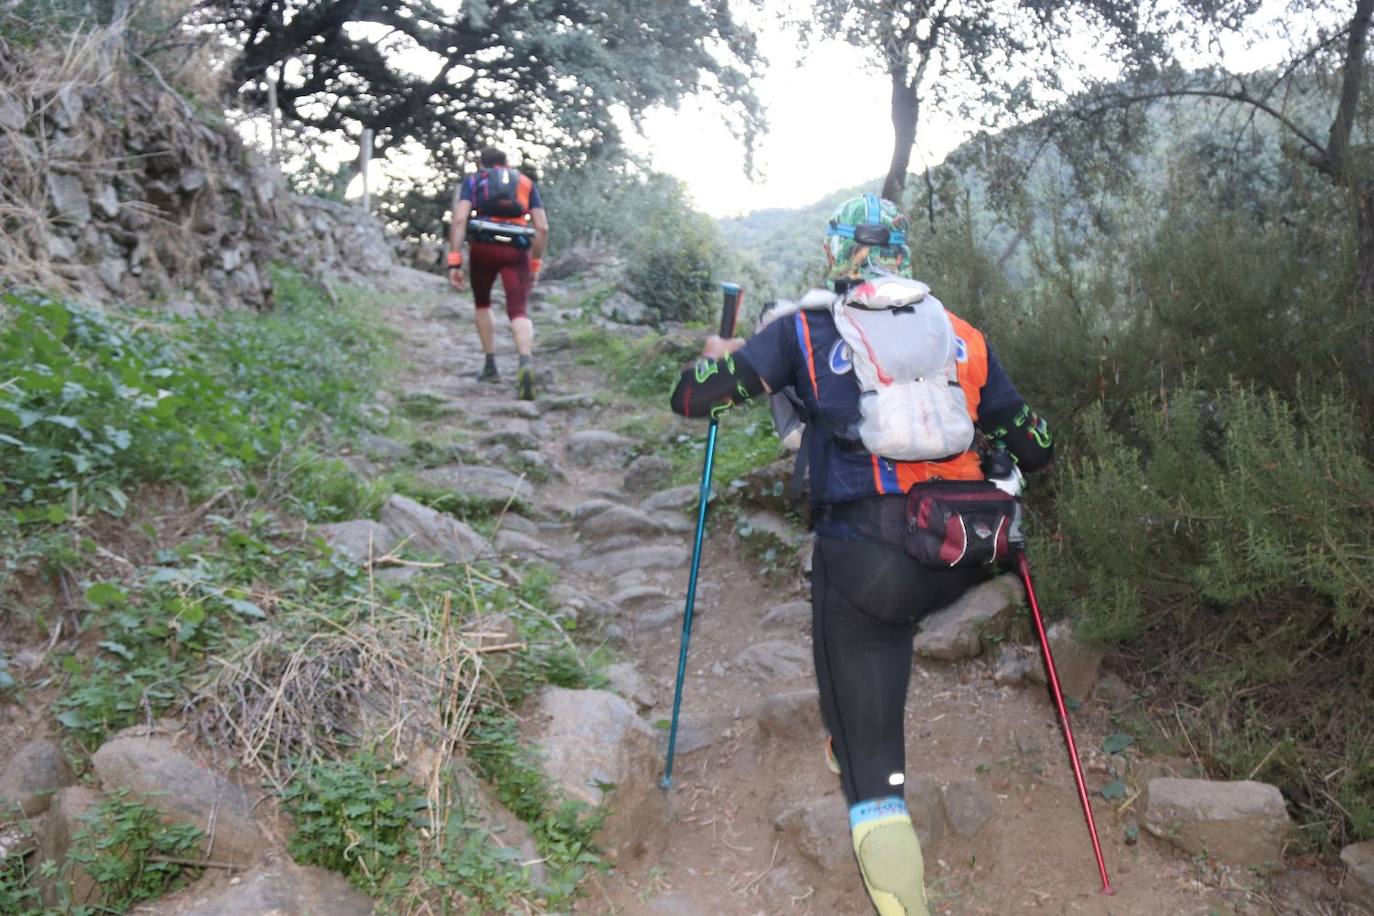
[(117, 189)]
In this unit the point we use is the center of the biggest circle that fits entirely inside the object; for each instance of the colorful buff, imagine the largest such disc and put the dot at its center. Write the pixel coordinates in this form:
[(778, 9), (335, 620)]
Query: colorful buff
[(851, 258)]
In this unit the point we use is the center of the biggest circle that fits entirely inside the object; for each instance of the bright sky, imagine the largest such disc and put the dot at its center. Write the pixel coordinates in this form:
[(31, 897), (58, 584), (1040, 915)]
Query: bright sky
[(805, 154)]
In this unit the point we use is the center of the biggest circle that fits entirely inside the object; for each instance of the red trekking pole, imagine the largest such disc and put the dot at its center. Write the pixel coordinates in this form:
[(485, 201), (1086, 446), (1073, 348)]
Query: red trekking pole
[(1023, 567)]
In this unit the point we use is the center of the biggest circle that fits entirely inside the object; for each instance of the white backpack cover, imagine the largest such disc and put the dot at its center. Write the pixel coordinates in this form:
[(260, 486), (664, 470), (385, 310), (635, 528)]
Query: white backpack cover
[(904, 350)]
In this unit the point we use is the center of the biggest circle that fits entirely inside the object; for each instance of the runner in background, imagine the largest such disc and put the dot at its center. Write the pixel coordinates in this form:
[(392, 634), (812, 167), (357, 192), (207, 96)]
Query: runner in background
[(498, 212)]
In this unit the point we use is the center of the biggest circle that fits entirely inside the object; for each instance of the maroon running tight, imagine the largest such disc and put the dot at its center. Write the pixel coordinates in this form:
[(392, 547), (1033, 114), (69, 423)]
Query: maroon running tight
[(485, 261)]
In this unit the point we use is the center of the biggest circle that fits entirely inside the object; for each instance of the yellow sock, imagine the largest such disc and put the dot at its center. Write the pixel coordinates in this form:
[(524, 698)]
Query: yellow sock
[(889, 857)]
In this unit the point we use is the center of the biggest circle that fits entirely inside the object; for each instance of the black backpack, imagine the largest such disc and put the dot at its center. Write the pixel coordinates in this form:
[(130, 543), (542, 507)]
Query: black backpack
[(496, 192)]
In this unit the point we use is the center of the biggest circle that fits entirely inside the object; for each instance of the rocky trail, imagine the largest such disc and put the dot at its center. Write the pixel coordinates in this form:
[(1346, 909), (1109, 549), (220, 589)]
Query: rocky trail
[(754, 823)]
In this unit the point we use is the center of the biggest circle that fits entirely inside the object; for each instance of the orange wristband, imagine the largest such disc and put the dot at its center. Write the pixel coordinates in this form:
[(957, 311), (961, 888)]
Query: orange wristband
[(535, 264), (455, 259)]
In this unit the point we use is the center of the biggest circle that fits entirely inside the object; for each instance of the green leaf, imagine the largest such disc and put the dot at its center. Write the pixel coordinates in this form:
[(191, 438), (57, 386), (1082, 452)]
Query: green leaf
[(105, 594), (246, 608), (68, 422), (1115, 789), (191, 613), (117, 648), (72, 719), (56, 513), (1117, 742)]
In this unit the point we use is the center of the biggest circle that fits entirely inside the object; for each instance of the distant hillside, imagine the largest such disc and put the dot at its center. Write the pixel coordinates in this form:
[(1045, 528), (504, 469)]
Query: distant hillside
[(1065, 223), (787, 243)]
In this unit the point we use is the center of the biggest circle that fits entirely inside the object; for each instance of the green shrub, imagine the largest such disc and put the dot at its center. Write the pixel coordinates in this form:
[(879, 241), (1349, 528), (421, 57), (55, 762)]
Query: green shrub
[(356, 817), (1223, 541), (673, 266), (93, 401)]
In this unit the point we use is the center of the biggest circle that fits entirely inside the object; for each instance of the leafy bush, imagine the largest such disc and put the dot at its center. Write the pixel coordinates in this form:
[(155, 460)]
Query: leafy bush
[(357, 818), (1224, 539), (91, 401)]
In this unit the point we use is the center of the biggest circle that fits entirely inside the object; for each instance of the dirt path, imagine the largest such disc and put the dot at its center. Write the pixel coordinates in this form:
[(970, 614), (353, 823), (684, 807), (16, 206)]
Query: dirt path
[(723, 854)]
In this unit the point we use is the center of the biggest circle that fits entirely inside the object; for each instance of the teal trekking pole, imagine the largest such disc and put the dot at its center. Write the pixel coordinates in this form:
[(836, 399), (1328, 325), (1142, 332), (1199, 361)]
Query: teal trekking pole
[(728, 316)]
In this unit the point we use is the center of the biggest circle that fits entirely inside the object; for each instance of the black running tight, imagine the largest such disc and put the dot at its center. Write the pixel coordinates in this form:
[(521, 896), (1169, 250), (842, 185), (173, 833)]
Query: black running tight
[(866, 598)]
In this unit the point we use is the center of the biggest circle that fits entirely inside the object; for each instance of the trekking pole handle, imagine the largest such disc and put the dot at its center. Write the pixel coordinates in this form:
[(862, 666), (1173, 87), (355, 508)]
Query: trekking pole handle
[(734, 295)]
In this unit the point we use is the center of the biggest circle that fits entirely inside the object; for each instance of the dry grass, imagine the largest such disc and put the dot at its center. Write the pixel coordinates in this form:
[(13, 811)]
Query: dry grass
[(314, 685)]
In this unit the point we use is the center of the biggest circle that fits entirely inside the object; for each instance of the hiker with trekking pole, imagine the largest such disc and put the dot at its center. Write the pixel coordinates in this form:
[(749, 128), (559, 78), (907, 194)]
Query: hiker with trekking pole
[(916, 441)]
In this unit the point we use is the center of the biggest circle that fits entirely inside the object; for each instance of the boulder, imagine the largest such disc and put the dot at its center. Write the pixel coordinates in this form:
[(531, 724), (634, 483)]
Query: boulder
[(624, 678), (694, 732), (1359, 874), (763, 523), (598, 448), (664, 616), (772, 659), (596, 749), (154, 770), (479, 805), (925, 802), (647, 473), (619, 520), (1236, 823), (967, 807), (68, 198), (675, 499), (382, 448), (957, 631), (794, 714), (1076, 662), (35, 771), (1015, 665), (361, 540), (430, 531), (589, 507), (794, 614), (477, 484), (620, 306), (524, 547), (637, 597), (274, 888), (57, 831), (653, 556), (820, 829)]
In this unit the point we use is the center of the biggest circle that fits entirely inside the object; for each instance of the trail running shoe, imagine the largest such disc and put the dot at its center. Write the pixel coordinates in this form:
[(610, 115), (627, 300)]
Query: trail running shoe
[(489, 374), (524, 383)]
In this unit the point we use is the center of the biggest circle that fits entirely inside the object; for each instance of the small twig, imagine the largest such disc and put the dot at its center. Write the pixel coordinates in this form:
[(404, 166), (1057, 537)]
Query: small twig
[(199, 511), (504, 647), (1259, 766), (771, 862), (198, 863)]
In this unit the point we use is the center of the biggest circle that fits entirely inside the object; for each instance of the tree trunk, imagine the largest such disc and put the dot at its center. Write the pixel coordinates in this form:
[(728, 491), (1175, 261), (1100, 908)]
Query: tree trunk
[(1364, 244), (906, 108)]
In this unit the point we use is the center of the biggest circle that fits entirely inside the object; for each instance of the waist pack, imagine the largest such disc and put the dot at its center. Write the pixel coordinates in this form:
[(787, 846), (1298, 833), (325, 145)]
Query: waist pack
[(485, 230), (951, 524)]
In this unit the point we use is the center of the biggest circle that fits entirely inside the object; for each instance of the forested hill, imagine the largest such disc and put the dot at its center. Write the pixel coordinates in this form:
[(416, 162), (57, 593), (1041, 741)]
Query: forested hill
[(785, 242)]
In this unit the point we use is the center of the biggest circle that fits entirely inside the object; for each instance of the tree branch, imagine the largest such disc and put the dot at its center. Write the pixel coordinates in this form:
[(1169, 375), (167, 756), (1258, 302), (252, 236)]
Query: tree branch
[(1338, 141)]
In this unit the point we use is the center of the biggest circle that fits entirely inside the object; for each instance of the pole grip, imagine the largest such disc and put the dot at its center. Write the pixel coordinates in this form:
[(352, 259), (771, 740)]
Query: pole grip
[(729, 314)]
